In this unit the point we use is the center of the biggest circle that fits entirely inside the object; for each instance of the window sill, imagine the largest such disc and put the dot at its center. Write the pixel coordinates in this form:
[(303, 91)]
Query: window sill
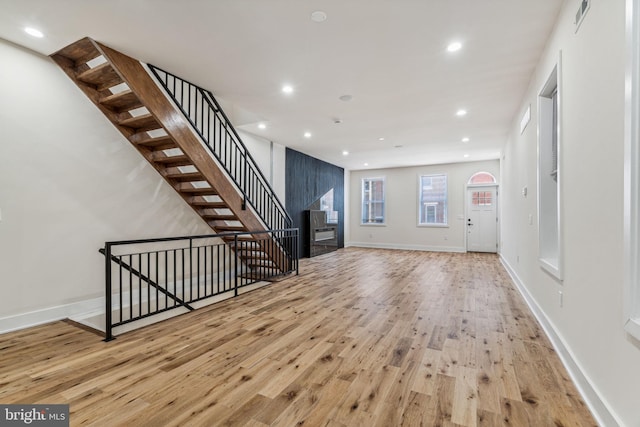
[(551, 267), (632, 326), (433, 225), (373, 224)]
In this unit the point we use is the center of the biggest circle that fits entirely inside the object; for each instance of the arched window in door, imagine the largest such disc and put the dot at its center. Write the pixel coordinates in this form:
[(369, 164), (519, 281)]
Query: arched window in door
[(482, 178)]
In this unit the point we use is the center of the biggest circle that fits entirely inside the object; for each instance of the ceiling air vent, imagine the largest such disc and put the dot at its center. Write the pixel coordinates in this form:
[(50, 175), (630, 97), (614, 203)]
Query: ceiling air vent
[(582, 11)]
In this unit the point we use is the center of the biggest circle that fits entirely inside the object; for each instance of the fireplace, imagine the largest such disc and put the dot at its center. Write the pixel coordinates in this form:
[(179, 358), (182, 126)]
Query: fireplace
[(323, 236)]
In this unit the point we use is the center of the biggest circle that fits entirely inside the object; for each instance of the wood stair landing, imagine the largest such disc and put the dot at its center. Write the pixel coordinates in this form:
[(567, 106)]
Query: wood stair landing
[(122, 89)]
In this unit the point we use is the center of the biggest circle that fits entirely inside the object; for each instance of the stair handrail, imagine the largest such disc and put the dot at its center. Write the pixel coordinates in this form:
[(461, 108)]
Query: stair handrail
[(146, 279), (284, 220)]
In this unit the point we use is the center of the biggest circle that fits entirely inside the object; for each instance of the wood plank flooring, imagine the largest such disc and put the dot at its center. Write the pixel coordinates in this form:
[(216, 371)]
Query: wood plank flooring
[(362, 337)]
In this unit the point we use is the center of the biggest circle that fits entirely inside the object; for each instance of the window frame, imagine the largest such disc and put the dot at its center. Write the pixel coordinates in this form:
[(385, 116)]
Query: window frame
[(481, 197), (550, 244), (422, 203), (481, 184), (384, 203), (631, 305), (434, 209)]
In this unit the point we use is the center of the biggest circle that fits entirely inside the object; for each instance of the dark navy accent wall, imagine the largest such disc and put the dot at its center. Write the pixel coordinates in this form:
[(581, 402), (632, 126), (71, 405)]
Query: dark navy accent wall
[(307, 179)]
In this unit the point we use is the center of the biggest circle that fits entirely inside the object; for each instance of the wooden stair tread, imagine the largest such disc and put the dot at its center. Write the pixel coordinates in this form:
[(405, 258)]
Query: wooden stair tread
[(209, 205), (259, 265), (244, 239), (184, 176), (264, 269), (242, 242), (242, 247), (81, 51), (260, 255), (201, 191), (219, 217), (121, 101), (143, 121), (179, 160), (230, 227), (102, 76), (185, 187), (164, 142)]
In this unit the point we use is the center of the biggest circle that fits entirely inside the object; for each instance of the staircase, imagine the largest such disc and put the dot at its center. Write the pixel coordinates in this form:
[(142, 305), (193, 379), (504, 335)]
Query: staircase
[(191, 143)]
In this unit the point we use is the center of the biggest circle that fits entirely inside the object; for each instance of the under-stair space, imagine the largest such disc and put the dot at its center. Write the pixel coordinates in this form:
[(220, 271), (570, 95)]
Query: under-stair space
[(213, 173)]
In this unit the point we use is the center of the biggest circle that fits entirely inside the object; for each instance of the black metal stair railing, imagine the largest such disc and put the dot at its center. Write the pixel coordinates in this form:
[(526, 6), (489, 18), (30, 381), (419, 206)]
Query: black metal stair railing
[(209, 120), (147, 277), (127, 267)]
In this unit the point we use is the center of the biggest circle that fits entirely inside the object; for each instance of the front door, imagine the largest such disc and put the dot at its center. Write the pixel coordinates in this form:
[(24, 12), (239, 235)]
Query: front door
[(482, 219)]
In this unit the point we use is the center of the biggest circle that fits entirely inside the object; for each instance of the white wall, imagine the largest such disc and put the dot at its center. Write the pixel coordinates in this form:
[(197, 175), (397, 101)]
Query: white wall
[(589, 324), (271, 159), (401, 230), (69, 181)]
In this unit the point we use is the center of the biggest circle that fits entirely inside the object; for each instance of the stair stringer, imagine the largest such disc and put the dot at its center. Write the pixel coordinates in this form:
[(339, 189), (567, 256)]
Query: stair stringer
[(171, 119), (174, 123)]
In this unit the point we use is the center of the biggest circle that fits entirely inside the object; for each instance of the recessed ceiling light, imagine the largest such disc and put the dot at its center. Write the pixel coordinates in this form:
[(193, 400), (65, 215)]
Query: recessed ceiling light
[(287, 89), (33, 32), (465, 139), (454, 47), (346, 98), (318, 16), (307, 134), (366, 164), (345, 153), (262, 126), (461, 113), (381, 139), (466, 156)]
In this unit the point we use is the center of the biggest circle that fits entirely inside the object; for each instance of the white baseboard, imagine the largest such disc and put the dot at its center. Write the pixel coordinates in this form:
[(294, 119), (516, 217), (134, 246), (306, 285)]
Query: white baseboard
[(405, 247), (78, 311), (99, 322), (600, 410), (51, 314)]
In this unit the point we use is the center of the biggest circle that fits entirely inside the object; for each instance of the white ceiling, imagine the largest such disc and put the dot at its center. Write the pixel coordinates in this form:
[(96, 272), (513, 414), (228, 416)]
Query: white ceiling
[(389, 55)]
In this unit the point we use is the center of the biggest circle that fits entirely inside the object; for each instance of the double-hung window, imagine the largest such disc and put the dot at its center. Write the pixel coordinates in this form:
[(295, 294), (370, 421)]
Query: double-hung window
[(373, 201), (433, 200)]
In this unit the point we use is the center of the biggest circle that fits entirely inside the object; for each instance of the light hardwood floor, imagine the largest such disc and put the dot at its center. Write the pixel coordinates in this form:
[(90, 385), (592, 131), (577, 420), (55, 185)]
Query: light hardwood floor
[(361, 337)]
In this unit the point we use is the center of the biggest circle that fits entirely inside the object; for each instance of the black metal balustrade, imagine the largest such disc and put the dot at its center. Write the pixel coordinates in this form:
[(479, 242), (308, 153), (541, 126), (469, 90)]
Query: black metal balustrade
[(151, 276), (205, 115)]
